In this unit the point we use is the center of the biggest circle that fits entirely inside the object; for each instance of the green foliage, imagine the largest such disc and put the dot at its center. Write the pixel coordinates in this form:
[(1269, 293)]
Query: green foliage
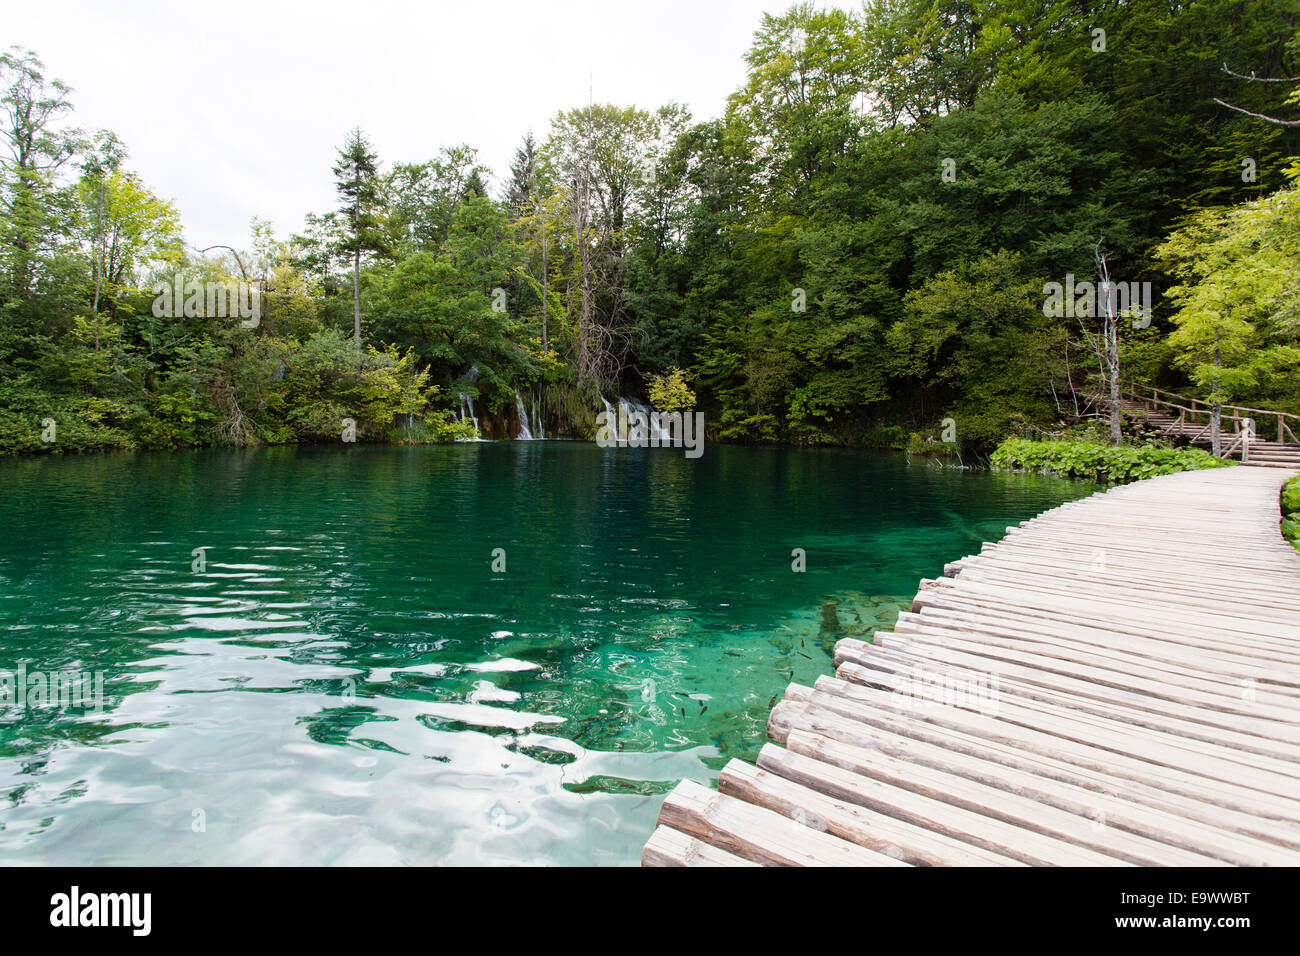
[(1290, 503), (1236, 321), (1098, 462), (927, 446), (976, 338), (669, 391)]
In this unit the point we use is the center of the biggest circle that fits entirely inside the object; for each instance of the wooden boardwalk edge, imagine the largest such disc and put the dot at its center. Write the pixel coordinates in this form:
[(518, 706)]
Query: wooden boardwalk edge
[(1116, 682)]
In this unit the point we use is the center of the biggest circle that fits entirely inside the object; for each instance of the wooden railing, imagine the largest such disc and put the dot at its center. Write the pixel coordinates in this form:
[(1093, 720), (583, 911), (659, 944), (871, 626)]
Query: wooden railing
[(1190, 411)]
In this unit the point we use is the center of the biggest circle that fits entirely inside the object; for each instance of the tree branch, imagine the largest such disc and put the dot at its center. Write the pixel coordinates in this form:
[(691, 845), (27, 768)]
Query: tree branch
[(1271, 119), (1261, 79)]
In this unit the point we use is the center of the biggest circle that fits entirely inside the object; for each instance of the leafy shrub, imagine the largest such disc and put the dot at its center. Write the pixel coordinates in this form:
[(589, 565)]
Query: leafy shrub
[(886, 436), (1291, 512), (670, 393), (1104, 463), (927, 446)]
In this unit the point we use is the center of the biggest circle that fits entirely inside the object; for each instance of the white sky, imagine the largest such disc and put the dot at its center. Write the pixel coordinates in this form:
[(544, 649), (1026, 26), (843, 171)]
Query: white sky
[(235, 109)]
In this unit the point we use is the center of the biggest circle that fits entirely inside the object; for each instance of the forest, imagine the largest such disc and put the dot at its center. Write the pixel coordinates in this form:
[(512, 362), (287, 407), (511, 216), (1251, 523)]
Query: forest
[(854, 249)]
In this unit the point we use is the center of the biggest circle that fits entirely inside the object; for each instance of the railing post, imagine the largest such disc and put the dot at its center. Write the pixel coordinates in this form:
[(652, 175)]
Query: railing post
[(1280, 439)]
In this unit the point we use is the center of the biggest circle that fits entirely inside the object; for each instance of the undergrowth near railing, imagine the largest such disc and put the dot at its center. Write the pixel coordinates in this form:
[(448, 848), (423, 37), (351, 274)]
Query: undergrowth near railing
[(1104, 463)]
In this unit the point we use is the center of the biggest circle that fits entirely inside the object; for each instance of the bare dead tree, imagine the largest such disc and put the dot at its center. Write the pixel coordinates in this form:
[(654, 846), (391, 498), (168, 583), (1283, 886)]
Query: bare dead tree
[(1104, 342), (1252, 78), (604, 338)]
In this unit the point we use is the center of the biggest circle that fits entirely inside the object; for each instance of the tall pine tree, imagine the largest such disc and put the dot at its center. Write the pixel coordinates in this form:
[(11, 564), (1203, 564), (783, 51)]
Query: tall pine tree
[(356, 177)]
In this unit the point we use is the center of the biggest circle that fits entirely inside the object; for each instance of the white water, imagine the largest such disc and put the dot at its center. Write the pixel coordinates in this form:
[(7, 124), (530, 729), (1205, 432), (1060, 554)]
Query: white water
[(467, 409), (538, 429), (657, 432), (525, 433), (636, 433), (530, 422)]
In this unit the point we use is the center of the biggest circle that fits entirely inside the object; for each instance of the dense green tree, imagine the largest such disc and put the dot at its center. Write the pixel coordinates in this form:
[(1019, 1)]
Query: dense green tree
[(1237, 327), (356, 177)]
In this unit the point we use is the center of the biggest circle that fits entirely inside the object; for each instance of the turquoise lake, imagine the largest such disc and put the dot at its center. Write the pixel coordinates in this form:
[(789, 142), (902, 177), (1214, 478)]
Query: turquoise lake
[(494, 653)]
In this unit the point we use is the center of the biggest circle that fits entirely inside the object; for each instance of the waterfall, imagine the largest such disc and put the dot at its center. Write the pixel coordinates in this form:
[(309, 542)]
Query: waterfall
[(653, 430), (538, 429), (657, 431), (611, 419), (525, 433), (637, 434), (467, 410)]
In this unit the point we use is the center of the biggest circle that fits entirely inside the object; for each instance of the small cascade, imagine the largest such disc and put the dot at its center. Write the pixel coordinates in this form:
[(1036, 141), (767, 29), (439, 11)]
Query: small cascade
[(635, 433), (653, 430), (658, 433), (525, 433), (538, 429), (643, 431), (611, 419), (467, 411)]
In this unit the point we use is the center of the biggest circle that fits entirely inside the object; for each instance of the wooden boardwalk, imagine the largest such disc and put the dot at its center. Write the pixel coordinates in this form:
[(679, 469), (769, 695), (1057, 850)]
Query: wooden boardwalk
[(1116, 682)]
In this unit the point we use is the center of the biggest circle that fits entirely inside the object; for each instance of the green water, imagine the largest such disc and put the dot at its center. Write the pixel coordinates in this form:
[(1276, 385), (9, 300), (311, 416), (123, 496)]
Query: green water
[(347, 679)]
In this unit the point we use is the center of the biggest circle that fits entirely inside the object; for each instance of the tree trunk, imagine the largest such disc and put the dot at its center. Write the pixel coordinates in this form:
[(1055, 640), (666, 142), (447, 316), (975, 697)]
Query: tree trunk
[(356, 303), (585, 371), (99, 259), (1115, 434), (545, 285), (1112, 368), (1216, 411)]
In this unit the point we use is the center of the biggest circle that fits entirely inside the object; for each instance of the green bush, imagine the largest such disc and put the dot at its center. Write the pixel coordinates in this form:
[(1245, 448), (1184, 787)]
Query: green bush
[(1104, 463), (885, 436), (927, 447), (1291, 512)]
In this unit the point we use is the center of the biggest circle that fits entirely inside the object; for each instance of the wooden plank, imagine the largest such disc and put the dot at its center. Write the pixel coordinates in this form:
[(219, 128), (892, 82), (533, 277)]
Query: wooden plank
[(989, 690), (1023, 747), (1106, 822), (1219, 723), (1048, 617), (1006, 767), (758, 835), (1028, 844), (1224, 663), (669, 847), (1173, 678), (1045, 732), (1120, 621), (1064, 601), (850, 821)]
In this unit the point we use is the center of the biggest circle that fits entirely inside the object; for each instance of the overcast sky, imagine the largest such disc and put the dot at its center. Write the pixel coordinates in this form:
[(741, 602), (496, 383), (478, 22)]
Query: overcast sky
[(235, 109)]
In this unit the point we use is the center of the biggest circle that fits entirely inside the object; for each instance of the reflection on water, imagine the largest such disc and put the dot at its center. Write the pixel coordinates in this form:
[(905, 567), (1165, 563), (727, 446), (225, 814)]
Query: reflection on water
[(309, 657)]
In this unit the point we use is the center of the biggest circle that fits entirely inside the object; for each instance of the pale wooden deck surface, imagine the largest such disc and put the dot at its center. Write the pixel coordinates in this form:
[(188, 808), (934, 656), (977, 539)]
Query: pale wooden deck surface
[(1116, 682)]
